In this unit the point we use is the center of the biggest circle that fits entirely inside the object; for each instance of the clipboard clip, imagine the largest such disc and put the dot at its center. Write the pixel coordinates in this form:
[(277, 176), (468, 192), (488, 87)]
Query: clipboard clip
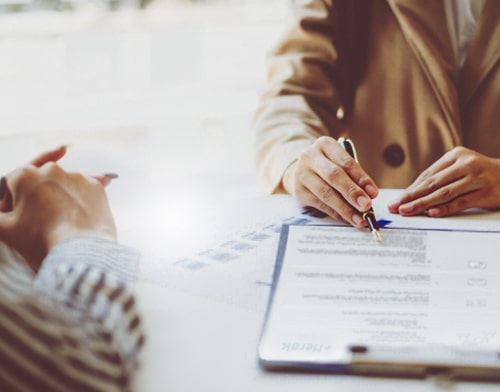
[(444, 364)]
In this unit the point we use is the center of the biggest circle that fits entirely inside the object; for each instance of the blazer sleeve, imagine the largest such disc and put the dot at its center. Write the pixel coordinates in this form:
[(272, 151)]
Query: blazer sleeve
[(76, 327), (300, 102)]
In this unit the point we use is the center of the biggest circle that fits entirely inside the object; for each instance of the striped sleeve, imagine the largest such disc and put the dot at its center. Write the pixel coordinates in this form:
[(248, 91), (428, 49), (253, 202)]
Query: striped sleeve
[(76, 327)]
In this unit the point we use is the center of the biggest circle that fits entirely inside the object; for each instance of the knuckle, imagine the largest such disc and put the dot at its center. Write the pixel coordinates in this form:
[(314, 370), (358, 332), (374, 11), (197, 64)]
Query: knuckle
[(28, 171), (50, 166), (364, 180), (459, 150), (346, 161), (327, 193), (453, 207), (454, 152), (461, 204), (472, 161), (445, 193), (424, 175), (305, 156), (26, 174), (334, 173), (431, 184), (352, 191), (322, 141), (51, 169)]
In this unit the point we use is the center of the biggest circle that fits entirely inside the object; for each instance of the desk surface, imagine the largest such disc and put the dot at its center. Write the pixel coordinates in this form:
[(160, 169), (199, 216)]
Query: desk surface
[(200, 342)]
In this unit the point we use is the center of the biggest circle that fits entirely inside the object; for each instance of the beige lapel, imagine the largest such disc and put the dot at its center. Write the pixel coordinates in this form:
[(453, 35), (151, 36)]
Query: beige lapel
[(423, 24), (484, 51)]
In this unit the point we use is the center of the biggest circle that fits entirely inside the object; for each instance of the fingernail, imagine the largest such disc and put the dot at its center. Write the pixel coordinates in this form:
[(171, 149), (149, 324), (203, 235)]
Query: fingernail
[(112, 176), (3, 187), (371, 190), (434, 212), (363, 202), (406, 208)]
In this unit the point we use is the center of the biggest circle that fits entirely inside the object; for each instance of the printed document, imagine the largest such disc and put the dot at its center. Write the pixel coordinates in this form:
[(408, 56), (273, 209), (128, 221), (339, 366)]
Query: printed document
[(336, 287)]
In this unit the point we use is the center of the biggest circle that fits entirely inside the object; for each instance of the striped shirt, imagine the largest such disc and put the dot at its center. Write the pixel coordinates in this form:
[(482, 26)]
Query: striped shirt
[(73, 327)]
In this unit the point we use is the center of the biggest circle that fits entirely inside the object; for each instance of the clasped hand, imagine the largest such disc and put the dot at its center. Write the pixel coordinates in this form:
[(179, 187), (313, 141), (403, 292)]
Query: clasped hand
[(42, 205)]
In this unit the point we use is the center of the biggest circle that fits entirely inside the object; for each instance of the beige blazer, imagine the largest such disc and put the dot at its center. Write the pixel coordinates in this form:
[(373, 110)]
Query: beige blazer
[(412, 106)]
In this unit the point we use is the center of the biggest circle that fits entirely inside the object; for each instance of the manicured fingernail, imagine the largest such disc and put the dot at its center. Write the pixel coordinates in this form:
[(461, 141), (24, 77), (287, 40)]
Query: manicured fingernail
[(112, 176), (363, 202), (3, 187), (436, 211), (371, 190), (406, 208)]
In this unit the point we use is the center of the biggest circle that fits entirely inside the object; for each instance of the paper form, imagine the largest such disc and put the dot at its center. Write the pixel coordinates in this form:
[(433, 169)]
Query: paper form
[(228, 254), (237, 265), (338, 287)]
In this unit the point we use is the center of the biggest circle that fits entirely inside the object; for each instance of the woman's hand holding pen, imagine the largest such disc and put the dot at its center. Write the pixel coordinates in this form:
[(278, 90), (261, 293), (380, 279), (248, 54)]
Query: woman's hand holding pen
[(327, 178), (41, 205), (459, 180)]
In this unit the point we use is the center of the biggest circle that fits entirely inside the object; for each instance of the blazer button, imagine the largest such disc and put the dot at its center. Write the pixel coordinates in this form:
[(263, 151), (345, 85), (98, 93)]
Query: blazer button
[(394, 155)]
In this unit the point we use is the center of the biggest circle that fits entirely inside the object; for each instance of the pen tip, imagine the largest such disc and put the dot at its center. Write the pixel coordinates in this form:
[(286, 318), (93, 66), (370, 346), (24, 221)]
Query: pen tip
[(377, 235)]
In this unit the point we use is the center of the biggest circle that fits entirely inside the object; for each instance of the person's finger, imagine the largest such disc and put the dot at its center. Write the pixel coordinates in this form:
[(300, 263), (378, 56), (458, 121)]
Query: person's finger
[(433, 183), (336, 154), (442, 196), (308, 199), (50, 156), (336, 177), (448, 163), (457, 205), (325, 198)]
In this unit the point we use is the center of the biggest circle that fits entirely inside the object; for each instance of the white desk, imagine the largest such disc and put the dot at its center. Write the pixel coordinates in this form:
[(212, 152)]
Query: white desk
[(195, 343)]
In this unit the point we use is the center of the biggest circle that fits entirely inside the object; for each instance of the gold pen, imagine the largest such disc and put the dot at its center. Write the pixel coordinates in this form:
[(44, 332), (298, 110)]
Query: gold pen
[(368, 216)]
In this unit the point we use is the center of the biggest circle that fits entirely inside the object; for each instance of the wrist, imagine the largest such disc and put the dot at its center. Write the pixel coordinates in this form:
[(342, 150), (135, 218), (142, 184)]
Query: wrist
[(58, 236), (65, 233), (119, 260)]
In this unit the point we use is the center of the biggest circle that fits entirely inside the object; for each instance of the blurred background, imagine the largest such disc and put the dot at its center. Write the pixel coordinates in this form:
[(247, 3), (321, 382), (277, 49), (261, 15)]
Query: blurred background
[(161, 92)]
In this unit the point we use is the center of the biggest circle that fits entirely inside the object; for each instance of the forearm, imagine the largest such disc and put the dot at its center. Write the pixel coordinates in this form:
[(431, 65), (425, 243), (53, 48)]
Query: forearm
[(79, 329), (300, 102)]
